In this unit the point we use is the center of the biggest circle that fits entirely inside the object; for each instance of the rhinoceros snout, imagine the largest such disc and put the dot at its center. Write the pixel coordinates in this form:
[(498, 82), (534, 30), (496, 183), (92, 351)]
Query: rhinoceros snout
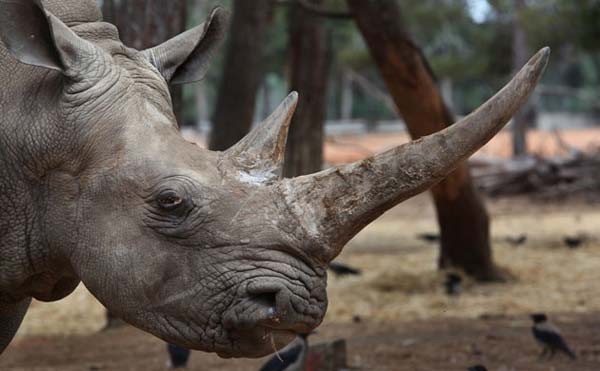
[(278, 305), (271, 313)]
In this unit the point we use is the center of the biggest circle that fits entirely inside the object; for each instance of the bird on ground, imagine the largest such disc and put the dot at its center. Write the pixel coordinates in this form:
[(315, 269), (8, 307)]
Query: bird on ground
[(477, 368), (453, 284), (429, 237), (340, 269), (516, 240), (549, 337), (574, 242), (113, 322), (291, 358), (178, 356)]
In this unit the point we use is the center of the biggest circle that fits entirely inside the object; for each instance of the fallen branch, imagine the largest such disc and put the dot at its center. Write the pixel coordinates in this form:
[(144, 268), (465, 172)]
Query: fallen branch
[(547, 178)]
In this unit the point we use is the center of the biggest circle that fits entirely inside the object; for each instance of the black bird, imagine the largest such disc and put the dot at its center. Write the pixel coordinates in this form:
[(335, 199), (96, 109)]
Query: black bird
[(549, 337), (477, 368), (291, 358), (178, 356), (429, 237), (452, 284), (574, 242), (340, 269), (516, 240)]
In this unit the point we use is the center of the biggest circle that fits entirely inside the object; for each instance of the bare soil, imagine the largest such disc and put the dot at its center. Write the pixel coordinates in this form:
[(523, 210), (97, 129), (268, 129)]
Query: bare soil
[(406, 322), (501, 343)]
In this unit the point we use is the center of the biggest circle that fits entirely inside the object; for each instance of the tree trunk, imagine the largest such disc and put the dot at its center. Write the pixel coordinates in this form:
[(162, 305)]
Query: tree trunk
[(520, 57), (242, 73), (347, 97), (309, 74), (463, 220), (146, 23)]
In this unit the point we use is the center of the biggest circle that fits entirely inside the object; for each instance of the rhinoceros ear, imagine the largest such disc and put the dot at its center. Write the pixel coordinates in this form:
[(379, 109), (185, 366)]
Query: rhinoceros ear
[(35, 37), (186, 57)]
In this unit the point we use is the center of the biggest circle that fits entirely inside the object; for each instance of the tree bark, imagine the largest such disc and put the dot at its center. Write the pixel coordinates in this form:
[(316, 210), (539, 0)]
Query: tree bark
[(520, 57), (309, 75), (146, 23), (463, 219), (242, 73)]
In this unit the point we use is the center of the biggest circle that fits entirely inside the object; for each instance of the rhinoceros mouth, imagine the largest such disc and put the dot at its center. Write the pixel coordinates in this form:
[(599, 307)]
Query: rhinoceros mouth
[(257, 342)]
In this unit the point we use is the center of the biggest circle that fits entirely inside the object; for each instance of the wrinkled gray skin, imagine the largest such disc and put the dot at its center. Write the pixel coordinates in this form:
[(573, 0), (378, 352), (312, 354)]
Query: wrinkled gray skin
[(208, 250)]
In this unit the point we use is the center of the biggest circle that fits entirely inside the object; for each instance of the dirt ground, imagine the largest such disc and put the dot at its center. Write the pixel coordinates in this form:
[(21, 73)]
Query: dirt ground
[(406, 321), (450, 344)]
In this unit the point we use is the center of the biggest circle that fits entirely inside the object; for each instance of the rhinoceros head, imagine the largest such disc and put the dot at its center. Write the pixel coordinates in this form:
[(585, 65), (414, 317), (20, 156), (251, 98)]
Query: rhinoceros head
[(209, 250)]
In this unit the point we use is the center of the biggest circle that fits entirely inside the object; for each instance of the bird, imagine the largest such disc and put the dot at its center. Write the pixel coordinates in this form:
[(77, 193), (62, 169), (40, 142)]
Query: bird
[(516, 240), (452, 284), (429, 237), (291, 358), (574, 242), (340, 269), (178, 356), (549, 337), (477, 368)]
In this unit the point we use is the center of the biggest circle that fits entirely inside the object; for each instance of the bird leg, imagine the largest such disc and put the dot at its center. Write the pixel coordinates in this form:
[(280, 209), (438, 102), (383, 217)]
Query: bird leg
[(543, 354)]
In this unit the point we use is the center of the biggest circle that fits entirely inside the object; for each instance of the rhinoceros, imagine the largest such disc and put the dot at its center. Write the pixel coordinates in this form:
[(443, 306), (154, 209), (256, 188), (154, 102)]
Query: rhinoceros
[(212, 251)]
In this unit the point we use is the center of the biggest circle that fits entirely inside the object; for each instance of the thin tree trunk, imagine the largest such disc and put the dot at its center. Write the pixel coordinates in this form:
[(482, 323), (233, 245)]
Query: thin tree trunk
[(267, 107), (309, 65), (520, 57), (463, 220), (146, 23), (200, 10), (242, 74), (347, 97)]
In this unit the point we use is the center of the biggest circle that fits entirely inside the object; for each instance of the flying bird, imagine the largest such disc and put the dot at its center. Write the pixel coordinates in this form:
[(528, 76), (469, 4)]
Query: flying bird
[(549, 337), (340, 269), (178, 356), (477, 368), (291, 358), (453, 284)]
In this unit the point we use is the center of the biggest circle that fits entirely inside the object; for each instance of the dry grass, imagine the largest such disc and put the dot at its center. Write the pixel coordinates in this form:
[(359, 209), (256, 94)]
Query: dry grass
[(403, 284), (400, 280)]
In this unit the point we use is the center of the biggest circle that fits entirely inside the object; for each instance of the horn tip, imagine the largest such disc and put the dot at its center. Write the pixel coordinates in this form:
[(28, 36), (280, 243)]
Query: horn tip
[(546, 50), (293, 96), (219, 14), (291, 101), (542, 57), (545, 53)]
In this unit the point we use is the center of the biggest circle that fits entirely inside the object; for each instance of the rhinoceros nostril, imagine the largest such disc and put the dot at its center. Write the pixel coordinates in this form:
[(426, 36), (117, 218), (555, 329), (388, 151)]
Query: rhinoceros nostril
[(267, 300)]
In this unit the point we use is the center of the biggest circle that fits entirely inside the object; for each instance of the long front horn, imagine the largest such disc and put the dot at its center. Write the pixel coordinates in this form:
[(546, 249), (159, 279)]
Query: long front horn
[(335, 204)]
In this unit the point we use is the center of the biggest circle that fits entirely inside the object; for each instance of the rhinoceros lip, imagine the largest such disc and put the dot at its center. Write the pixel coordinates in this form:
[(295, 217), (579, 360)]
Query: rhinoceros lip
[(258, 342)]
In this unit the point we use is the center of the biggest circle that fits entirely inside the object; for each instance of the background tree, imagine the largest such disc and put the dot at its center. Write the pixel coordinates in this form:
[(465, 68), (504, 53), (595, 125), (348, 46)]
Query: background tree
[(463, 220), (309, 74), (520, 55), (242, 73)]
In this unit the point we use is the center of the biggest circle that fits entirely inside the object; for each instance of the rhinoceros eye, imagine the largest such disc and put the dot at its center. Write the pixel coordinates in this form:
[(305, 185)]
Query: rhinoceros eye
[(169, 200)]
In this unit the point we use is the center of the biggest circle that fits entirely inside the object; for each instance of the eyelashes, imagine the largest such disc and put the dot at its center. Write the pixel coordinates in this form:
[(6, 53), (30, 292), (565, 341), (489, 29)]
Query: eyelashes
[(169, 200)]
